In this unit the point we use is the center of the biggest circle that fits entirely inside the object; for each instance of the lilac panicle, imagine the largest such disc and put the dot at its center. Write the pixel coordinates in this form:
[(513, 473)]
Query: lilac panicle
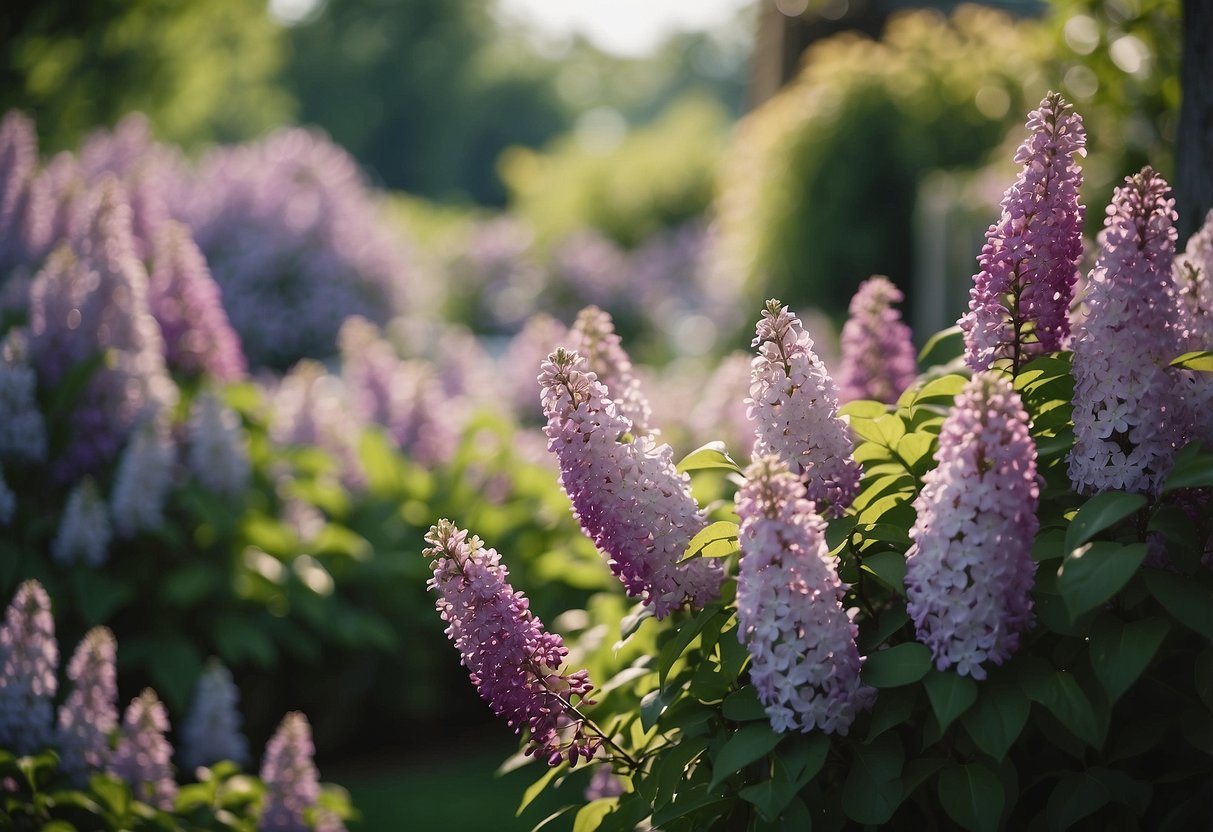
[(593, 336), (143, 480), (310, 407), (84, 530), (22, 429), (211, 731), (789, 608), (19, 194), (1020, 300), (89, 715), (292, 784), (218, 446), (603, 783), (628, 496), (969, 571), (515, 664), (878, 358), (1127, 404), (186, 302), (143, 756), (794, 406), (29, 659), (1193, 276)]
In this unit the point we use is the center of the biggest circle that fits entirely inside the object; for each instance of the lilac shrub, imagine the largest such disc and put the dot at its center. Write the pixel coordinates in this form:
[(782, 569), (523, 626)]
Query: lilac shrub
[(29, 656), (88, 717), (878, 358), (143, 756)]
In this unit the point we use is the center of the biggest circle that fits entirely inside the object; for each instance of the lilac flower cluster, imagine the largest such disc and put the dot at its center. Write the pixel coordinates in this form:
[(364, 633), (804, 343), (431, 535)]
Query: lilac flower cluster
[(84, 530), (89, 715), (22, 428), (1020, 300), (539, 336), (29, 656), (1127, 406), (878, 358), (516, 665), (211, 732), (25, 227), (310, 407), (292, 785), (218, 446), (805, 663), (969, 572), (143, 480), (143, 756), (794, 405), (593, 336), (628, 496), (1193, 275)]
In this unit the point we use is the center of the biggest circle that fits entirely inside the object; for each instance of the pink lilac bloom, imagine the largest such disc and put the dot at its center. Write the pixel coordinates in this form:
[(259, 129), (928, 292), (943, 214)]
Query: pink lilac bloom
[(1193, 276), (211, 731), (516, 665), (794, 405), (628, 496), (878, 357), (292, 783), (143, 480), (29, 658), (89, 715), (805, 663), (969, 571), (143, 757), (84, 530), (186, 302), (1020, 300), (593, 336), (1127, 407), (218, 454)]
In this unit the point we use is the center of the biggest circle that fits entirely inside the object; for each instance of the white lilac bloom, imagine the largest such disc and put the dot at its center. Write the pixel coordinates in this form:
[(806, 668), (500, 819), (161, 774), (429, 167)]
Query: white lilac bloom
[(89, 715), (794, 406), (143, 480), (211, 731), (143, 756), (84, 530), (218, 446), (593, 337), (1127, 405), (22, 429), (969, 571), (292, 784), (1193, 275), (805, 663), (628, 496), (1020, 300), (878, 358), (29, 658)]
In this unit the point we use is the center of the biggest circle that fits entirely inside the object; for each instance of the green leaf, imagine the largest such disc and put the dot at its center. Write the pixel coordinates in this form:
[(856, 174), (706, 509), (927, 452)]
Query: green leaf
[(1121, 652), (1049, 545), (889, 568), (1193, 468), (942, 347), (792, 767), (535, 789), (1188, 600), (902, 664), (941, 390), (951, 695), (189, 585), (1100, 512), (997, 719), (743, 706), (1076, 795), (711, 455), (632, 621), (654, 704), (863, 409), (1094, 572), (873, 790), (718, 540), (563, 810), (175, 667), (238, 639), (750, 743), (891, 620), (1201, 361), (674, 649), (1060, 693), (99, 596), (591, 814), (687, 802), (914, 449), (972, 795), (892, 708)]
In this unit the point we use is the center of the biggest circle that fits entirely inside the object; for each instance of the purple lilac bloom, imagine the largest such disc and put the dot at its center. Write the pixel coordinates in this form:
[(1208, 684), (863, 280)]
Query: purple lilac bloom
[(628, 496), (24, 219), (292, 784), (22, 430), (143, 480), (878, 358), (143, 756), (186, 302), (515, 664), (89, 715), (310, 407), (211, 731), (789, 608), (84, 530), (29, 657), (1020, 300), (603, 783), (593, 336), (1127, 407), (794, 405), (218, 446), (969, 571), (1193, 275)]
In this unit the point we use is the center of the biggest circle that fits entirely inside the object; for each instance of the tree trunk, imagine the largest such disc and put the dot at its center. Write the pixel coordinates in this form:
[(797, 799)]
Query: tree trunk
[(1194, 140)]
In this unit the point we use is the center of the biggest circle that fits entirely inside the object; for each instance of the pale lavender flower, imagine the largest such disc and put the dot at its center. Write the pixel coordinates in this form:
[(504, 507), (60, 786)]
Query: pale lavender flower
[(628, 496), (1020, 300), (84, 530), (969, 571), (805, 663), (29, 658), (143, 756), (186, 302), (1127, 407), (22, 429), (292, 784), (878, 358), (218, 446), (89, 715), (593, 337), (1193, 276), (515, 664), (24, 224), (211, 731), (143, 480), (794, 405)]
